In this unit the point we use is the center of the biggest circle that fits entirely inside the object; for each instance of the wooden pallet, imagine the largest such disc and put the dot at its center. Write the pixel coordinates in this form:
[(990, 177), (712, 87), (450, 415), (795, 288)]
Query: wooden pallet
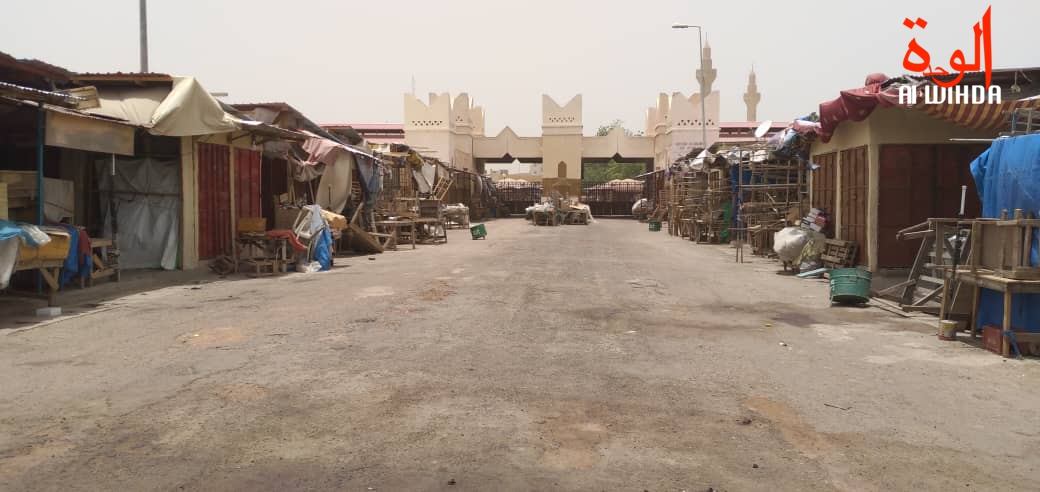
[(839, 254)]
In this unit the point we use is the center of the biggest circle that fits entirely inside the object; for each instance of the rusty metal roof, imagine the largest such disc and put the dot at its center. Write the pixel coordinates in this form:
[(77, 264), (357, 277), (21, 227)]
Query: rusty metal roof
[(27, 70), (361, 127), (33, 94), (131, 77)]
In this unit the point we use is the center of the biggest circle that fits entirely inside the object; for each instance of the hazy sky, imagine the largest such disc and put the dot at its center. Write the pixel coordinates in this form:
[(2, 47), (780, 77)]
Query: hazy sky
[(349, 61)]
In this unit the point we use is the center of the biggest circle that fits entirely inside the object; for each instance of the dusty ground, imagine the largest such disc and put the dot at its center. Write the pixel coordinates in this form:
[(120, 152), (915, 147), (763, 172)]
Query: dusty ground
[(573, 358)]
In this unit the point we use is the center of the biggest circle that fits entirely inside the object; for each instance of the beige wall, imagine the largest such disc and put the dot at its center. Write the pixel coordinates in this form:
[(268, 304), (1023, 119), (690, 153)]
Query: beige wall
[(189, 204), (617, 143), (561, 148), (885, 126), (507, 142)]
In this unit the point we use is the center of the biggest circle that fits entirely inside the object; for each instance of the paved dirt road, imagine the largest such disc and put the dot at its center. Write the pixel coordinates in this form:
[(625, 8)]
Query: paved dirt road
[(572, 358)]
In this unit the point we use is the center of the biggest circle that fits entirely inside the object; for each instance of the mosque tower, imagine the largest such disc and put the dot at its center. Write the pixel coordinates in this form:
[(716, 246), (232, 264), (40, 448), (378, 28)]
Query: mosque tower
[(752, 97), (706, 74)]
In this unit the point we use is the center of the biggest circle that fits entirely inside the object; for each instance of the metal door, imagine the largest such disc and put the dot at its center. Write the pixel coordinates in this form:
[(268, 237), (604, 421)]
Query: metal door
[(247, 183), (214, 200)]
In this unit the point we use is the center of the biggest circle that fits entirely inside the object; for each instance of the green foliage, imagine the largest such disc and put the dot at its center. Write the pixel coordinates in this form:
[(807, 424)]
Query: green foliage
[(605, 129), (603, 172), (606, 171)]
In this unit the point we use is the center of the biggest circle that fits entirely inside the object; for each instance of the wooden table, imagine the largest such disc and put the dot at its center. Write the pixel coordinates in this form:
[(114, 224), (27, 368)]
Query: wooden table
[(50, 270), (267, 255), (394, 227), (545, 218), (981, 280), (431, 229), (106, 260), (576, 217)]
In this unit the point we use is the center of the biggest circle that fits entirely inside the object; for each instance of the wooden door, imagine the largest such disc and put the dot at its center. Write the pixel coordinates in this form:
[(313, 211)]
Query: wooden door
[(824, 182), (855, 172), (918, 182), (906, 180)]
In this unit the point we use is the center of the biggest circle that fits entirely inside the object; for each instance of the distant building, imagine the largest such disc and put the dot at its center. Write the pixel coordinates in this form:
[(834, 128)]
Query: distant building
[(376, 133)]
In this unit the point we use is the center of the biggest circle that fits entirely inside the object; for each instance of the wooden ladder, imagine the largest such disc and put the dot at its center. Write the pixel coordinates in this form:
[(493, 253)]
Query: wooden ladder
[(923, 289), (440, 190)]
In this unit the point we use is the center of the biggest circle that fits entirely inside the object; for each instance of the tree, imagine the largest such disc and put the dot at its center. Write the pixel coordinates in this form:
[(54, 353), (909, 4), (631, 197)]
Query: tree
[(606, 171), (605, 129)]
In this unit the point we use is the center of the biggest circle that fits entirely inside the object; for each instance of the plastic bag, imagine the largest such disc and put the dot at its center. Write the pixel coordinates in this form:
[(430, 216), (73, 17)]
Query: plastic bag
[(312, 267), (789, 242), (39, 238)]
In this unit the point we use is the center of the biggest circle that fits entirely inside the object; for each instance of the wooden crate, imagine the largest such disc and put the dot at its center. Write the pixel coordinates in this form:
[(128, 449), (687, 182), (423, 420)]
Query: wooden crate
[(839, 254), (252, 224), (430, 208), (1003, 246)]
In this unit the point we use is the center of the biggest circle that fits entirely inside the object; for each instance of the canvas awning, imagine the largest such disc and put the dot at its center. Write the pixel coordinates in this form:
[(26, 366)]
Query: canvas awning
[(190, 110), (321, 149), (134, 104), (75, 129)]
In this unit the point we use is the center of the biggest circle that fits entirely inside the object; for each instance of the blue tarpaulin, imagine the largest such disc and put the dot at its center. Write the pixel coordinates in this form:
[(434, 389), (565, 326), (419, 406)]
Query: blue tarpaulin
[(323, 249), (1007, 177)]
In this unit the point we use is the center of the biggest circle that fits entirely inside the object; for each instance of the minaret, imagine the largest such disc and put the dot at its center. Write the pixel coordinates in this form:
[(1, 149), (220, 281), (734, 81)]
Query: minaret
[(752, 97), (706, 74)]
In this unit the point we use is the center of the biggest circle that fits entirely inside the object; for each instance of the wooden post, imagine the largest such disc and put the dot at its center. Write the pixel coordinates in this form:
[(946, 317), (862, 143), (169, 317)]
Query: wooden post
[(974, 318), (1005, 346)]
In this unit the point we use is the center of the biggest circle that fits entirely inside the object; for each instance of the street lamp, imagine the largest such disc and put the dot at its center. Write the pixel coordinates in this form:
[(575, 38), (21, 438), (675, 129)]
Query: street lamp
[(700, 57)]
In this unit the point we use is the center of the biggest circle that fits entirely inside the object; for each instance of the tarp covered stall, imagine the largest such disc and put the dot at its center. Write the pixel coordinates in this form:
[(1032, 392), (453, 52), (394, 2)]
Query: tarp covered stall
[(190, 110), (1007, 177), (135, 105), (146, 194), (333, 191)]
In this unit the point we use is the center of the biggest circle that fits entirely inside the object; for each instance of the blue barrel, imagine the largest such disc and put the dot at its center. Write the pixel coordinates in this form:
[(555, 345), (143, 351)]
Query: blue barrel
[(850, 285)]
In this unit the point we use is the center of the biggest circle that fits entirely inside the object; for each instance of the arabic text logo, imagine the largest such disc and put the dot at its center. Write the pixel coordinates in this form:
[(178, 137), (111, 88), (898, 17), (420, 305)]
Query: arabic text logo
[(947, 89)]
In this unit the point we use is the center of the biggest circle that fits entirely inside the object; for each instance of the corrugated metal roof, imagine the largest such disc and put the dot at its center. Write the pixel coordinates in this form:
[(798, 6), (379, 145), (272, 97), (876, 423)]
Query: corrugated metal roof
[(366, 126), (30, 93), (35, 67), (750, 124), (121, 77)]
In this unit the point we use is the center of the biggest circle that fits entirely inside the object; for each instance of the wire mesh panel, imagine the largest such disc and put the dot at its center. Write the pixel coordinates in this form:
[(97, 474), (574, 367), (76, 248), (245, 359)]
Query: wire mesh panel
[(514, 197), (612, 198)]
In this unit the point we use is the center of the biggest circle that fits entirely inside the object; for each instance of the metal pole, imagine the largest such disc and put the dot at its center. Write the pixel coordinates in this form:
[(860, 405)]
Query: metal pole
[(144, 36), (700, 58), (41, 124)]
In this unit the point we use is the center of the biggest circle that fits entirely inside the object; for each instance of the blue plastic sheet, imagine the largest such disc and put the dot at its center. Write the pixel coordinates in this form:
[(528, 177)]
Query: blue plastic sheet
[(1007, 177), (323, 249), (10, 230), (76, 264)]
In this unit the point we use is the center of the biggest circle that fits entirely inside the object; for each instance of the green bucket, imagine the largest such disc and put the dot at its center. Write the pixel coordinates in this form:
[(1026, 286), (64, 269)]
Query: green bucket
[(850, 285), (655, 226), (478, 231)]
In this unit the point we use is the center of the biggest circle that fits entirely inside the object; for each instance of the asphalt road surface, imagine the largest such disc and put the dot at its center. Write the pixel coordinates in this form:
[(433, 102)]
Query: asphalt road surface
[(600, 357)]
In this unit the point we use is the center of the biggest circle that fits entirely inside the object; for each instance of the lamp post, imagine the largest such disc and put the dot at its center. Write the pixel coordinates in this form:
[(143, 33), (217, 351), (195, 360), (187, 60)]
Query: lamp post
[(143, 26), (700, 57)]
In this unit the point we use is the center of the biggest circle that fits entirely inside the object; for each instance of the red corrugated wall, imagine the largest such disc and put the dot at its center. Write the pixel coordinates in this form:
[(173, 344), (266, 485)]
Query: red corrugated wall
[(214, 200), (247, 183)]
